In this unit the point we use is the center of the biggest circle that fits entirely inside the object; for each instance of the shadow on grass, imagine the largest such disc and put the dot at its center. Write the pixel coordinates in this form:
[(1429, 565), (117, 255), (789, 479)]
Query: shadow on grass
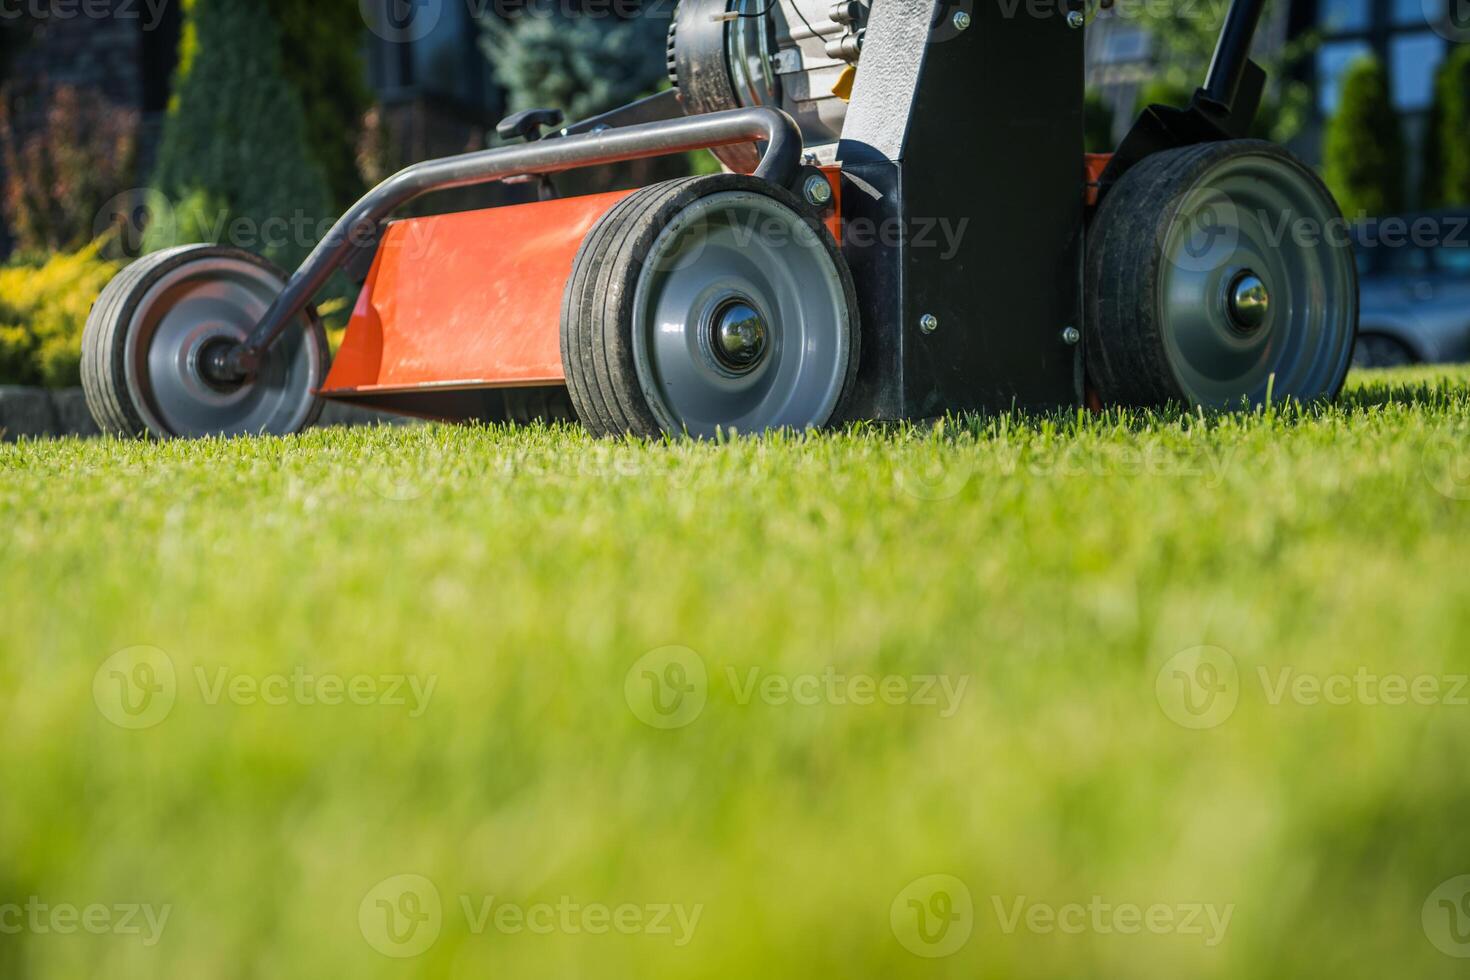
[(1438, 388)]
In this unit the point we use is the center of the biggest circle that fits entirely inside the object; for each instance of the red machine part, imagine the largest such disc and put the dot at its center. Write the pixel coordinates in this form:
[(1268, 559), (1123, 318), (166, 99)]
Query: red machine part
[(473, 300), (1095, 164), (468, 300)]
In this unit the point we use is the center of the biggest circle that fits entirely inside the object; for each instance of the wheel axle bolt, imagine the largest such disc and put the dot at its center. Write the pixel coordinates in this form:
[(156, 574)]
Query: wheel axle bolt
[(928, 323), (961, 20), (817, 190), (1249, 302), (1071, 336), (739, 336)]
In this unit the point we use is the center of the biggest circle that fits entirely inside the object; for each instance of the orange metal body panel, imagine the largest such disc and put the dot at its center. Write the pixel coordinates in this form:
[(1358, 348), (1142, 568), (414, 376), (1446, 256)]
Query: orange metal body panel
[(469, 300), (1095, 164), (834, 222)]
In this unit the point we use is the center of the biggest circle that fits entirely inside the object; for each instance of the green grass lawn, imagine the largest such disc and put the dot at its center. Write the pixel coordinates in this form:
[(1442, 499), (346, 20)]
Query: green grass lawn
[(1123, 696)]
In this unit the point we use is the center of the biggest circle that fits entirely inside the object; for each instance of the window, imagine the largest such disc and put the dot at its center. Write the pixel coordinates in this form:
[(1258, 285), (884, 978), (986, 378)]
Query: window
[(1412, 61), (1417, 13), (160, 54), (1341, 16), (1124, 44)]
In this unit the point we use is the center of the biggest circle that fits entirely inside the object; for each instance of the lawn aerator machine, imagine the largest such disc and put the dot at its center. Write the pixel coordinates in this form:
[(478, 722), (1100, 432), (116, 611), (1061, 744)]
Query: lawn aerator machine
[(908, 226)]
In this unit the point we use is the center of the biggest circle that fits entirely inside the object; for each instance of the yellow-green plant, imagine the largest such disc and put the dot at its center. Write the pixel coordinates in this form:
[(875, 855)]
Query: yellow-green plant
[(43, 308)]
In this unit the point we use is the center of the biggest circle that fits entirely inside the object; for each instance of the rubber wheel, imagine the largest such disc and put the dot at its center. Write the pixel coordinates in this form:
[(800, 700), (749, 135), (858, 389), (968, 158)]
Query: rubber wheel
[(1219, 275), (708, 304), (146, 332)]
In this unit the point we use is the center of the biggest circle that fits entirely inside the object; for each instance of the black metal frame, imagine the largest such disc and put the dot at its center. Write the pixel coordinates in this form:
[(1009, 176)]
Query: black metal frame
[(1222, 109), (359, 227)]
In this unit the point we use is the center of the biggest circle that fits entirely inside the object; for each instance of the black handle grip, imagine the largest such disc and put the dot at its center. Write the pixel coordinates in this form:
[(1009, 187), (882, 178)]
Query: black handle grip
[(527, 124)]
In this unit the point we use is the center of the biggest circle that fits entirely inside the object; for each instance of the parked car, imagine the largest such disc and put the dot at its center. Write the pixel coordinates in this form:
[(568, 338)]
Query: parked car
[(1414, 271)]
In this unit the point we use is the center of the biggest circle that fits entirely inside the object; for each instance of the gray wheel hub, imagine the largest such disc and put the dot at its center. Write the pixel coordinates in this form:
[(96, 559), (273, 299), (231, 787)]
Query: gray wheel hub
[(1251, 300), (200, 306), (740, 320)]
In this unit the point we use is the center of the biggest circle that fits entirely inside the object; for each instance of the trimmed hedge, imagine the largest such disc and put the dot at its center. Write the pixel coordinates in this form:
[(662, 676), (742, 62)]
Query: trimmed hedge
[(321, 52), (1363, 151), (1447, 145)]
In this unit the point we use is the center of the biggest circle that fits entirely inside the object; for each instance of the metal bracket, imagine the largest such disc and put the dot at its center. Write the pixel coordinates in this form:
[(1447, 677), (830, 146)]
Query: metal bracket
[(1222, 110)]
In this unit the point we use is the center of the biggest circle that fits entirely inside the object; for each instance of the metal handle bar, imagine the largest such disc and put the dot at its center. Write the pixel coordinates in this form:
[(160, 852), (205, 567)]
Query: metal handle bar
[(779, 164)]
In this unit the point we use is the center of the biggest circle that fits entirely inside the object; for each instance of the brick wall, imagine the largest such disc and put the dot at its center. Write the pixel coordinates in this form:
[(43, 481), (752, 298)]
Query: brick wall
[(122, 58)]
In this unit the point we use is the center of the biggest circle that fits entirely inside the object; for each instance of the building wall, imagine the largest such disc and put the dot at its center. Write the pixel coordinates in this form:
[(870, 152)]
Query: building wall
[(120, 58)]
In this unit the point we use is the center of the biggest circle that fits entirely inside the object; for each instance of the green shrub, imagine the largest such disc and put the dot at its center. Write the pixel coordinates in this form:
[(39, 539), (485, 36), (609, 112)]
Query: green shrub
[(1447, 143), (236, 137), (43, 308), (321, 49), (1363, 151), (1097, 124), (581, 65)]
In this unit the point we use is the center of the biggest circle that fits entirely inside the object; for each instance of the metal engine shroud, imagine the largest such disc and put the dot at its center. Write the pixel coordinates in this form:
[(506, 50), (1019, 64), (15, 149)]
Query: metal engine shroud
[(787, 54)]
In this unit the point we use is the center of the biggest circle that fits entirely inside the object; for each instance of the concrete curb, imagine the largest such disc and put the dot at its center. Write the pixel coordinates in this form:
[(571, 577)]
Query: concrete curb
[(42, 413)]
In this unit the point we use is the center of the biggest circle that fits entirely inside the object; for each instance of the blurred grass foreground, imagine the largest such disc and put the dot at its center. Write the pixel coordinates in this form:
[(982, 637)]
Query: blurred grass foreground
[(1132, 695)]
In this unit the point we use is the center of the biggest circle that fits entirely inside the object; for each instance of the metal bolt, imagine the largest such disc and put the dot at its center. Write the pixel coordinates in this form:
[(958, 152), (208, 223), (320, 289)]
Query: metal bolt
[(1076, 19), (928, 323), (1071, 336), (961, 20), (817, 190), (1249, 302)]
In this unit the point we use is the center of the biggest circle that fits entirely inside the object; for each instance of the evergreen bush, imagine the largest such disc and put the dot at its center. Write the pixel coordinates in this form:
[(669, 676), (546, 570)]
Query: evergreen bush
[(1447, 143), (236, 160), (1363, 150)]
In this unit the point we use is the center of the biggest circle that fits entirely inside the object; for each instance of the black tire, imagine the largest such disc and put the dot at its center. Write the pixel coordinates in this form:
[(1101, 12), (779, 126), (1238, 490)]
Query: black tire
[(1168, 316), (610, 375), (1376, 350), (116, 344)]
